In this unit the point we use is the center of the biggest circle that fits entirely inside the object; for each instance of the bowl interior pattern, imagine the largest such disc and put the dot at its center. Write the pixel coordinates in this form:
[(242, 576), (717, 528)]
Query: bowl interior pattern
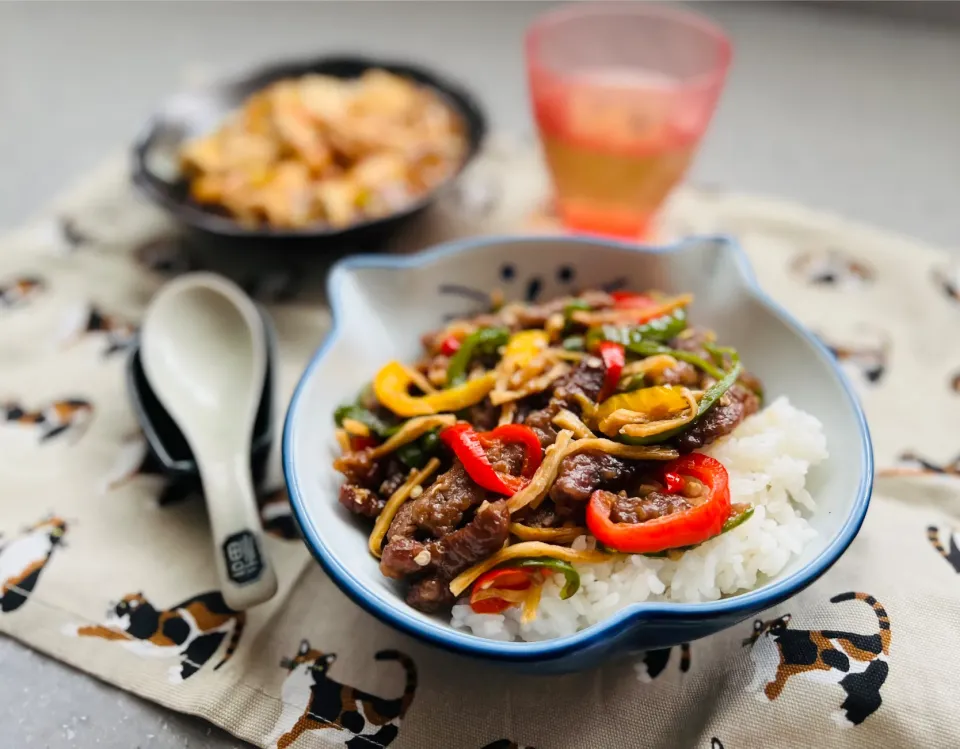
[(382, 305)]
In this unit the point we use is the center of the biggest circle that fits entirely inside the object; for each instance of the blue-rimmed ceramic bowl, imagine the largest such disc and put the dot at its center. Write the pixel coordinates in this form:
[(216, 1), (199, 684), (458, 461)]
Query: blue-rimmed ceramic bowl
[(381, 305)]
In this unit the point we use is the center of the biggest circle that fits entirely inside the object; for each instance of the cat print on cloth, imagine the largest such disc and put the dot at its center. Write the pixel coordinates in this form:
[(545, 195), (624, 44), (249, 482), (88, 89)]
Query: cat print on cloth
[(948, 279), (866, 352), (912, 464), (60, 417), (23, 558), (164, 254), (858, 663), (952, 555), (191, 632), (276, 515), (831, 267), (89, 321), (129, 462), (17, 292), (132, 459), (312, 701), (654, 662)]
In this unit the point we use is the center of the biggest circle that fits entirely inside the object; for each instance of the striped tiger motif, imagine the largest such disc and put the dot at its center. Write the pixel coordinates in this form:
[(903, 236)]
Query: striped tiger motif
[(952, 555), (858, 663), (654, 662)]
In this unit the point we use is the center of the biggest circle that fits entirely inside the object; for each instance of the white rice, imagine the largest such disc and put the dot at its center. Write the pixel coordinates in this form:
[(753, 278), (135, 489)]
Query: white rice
[(767, 458)]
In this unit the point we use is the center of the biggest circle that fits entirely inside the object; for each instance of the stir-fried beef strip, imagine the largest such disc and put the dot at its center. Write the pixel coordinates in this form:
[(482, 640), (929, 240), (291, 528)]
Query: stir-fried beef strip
[(433, 564), (425, 539), (369, 482), (681, 373), (583, 473), (484, 415), (360, 468), (736, 404), (692, 340), (431, 595), (626, 509), (440, 508), (585, 379), (361, 501), (453, 552)]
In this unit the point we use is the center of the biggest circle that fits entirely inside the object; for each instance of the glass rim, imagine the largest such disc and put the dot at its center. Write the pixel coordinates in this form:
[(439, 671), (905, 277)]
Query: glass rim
[(624, 8)]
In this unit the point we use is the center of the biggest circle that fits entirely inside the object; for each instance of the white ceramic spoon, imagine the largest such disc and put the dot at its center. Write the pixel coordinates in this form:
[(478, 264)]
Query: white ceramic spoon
[(204, 353)]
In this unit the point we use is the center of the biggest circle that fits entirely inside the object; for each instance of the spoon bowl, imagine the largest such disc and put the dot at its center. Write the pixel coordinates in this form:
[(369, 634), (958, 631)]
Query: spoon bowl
[(204, 354)]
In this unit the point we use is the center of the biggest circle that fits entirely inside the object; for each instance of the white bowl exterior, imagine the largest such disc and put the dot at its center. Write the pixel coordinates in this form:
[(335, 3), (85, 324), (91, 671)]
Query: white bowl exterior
[(382, 312)]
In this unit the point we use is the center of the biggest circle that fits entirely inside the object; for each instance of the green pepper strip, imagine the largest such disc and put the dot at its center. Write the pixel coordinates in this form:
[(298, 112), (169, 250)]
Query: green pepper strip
[(737, 520), (572, 584), (710, 396), (649, 348), (361, 414), (634, 383), (575, 305), (574, 343), (731, 523), (416, 454), (485, 340), (659, 329), (718, 352)]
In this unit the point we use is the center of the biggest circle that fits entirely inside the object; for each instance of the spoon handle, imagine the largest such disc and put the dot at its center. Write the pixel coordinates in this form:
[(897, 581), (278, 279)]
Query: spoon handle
[(246, 574)]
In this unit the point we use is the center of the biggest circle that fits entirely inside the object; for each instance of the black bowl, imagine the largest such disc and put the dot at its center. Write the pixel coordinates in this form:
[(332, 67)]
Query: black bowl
[(193, 113), (167, 450)]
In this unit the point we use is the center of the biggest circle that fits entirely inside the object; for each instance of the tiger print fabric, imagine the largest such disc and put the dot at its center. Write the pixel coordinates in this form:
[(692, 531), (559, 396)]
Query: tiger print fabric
[(106, 566)]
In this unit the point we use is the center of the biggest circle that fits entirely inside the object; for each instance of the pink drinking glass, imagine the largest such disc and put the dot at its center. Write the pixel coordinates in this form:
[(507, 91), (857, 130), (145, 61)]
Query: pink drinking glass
[(622, 94)]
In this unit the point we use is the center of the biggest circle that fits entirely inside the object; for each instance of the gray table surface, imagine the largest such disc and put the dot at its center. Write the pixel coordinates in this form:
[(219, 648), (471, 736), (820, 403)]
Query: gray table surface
[(856, 112)]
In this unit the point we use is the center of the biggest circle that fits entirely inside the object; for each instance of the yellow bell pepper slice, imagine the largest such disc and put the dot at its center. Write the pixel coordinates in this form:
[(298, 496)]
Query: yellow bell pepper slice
[(523, 346), (392, 384), (660, 402)]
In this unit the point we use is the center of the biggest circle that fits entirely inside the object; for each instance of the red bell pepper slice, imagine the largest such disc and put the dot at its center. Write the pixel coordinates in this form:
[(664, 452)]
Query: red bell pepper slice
[(449, 345), (614, 357), (522, 434), (468, 446), (362, 443), (674, 482), (503, 578), (684, 528), (631, 300)]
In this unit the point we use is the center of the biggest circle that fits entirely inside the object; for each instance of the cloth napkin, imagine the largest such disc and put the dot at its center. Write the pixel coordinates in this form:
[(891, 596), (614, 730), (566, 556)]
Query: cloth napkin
[(94, 542)]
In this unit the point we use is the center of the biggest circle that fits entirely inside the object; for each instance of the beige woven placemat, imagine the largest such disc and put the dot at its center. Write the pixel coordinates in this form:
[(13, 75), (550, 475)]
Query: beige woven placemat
[(95, 573)]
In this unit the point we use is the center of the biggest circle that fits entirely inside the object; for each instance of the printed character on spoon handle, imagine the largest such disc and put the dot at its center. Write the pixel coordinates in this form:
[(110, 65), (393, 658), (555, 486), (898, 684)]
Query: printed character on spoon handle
[(246, 576)]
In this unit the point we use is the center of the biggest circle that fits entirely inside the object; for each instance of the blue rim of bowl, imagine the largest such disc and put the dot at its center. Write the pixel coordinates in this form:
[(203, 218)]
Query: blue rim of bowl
[(464, 643)]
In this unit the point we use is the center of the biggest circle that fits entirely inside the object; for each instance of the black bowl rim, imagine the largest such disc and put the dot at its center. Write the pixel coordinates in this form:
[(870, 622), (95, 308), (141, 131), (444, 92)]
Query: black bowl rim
[(195, 217)]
